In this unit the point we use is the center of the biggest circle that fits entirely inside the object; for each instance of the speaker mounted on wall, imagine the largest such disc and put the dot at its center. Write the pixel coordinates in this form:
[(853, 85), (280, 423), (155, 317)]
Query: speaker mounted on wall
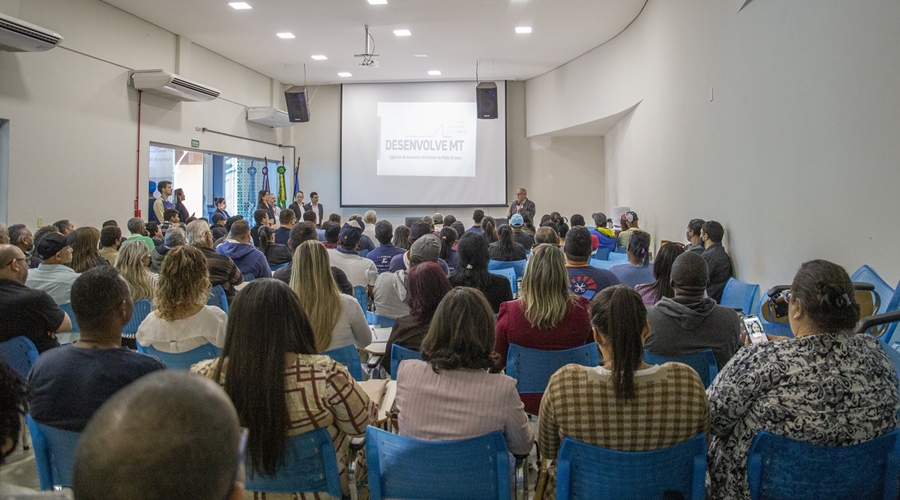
[(297, 105), (486, 97)]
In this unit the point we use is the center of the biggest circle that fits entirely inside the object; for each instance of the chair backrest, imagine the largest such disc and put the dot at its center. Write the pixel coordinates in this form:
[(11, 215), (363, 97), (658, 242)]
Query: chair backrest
[(362, 297), (516, 265), (893, 305), (618, 257), (378, 320), (532, 368), (866, 274), (509, 274), (141, 310), (67, 308), (363, 253), (20, 354), (631, 475), (182, 360), (348, 356), (739, 295), (402, 467), (310, 465), (54, 453), (603, 264), (602, 253), (278, 266), (399, 354), (780, 467), (218, 298), (703, 362), (249, 277)]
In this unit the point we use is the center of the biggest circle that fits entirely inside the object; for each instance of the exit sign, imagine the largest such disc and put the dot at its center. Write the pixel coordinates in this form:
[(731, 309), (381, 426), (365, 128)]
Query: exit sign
[(195, 143)]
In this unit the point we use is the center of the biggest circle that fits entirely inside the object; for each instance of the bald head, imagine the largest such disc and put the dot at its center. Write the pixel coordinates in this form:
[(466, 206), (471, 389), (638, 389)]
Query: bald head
[(170, 434), (12, 263), (690, 274)]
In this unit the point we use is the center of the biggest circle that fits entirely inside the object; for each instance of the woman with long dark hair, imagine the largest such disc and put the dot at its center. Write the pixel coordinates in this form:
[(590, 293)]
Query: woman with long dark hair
[(472, 271), (85, 252), (401, 237), (662, 270), (276, 253), (220, 208), (506, 249), (183, 214), (489, 229), (279, 385), (448, 252), (637, 270)]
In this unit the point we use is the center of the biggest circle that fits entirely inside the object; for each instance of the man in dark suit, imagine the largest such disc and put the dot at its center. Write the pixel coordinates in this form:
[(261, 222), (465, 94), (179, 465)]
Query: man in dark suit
[(521, 205), (297, 205), (317, 207)]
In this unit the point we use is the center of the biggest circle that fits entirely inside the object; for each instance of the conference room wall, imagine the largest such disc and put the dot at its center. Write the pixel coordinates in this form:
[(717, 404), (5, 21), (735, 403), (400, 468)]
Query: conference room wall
[(795, 151), (73, 118)]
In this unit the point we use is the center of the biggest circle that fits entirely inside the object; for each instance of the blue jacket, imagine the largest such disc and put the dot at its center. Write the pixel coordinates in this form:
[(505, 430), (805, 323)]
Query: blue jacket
[(247, 258)]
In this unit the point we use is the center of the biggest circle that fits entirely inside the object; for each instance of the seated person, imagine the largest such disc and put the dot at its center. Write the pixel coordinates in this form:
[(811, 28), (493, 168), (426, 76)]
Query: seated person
[(637, 270), (826, 386), (245, 256), (390, 288), (174, 237), (516, 222), (135, 450), (448, 237), (182, 321), (418, 229), (386, 251), (286, 220), (222, 270), (262, 219), (472, 270), (688, 322), (632, 406), (717, 259), (275, 253), (306, 231), (69, 383), (218, 226), (53, 275), (651, 293), (450, 395), (606, 238), (506, 249), (629, 223), (360, 270), (332, 234), (584, 278)]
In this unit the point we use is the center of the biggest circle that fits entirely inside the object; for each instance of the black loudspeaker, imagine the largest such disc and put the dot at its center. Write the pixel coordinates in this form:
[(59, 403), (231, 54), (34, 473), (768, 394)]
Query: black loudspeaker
[(486, 97), (297, 107)]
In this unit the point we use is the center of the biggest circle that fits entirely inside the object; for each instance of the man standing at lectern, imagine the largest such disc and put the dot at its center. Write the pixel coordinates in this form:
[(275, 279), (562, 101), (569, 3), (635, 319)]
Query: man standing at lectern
[(521, 205)]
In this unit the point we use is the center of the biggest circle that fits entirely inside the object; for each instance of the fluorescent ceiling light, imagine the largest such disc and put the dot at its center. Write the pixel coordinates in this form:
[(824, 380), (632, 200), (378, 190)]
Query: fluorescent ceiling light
[(344, 74), (434, 73), (420, 55), (286, 35), (378, 2), (523, 29), (402, 32), (240, 5), (319, 58)]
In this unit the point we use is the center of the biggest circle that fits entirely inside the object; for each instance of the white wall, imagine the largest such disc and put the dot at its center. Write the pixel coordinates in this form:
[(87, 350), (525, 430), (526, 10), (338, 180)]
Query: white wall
[(796, 154)]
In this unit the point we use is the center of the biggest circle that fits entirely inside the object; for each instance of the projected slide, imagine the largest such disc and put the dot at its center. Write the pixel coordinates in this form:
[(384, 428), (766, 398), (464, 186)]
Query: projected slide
[(431, 139)]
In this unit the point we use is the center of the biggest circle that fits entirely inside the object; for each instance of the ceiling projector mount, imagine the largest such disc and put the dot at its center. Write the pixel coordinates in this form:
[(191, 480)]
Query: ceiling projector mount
[(368, 57)]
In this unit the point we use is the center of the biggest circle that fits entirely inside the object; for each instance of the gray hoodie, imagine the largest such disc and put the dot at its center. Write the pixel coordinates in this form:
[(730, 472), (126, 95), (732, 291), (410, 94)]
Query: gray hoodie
[(683, 325), (390, 294)]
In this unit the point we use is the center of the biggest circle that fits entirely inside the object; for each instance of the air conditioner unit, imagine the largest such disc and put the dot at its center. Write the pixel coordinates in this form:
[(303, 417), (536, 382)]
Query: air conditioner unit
[(271, 117), (172, 86), (18, 36)]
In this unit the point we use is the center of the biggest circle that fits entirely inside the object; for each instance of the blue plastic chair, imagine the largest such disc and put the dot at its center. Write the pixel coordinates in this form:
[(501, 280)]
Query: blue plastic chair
[(20, 354), (249, 277), (602, 253), (399, 354), (516, 265), (54, 453), (310, 465), (348, 356), (784, 468), (402, 467), (739, 295), (866, 274), (182, 360), (618, 257), (362, 297), (141, 309), (703, 362), (279, 266), (363, 253), (67, 308), (510, 274), (603, 264), (218, 298), (585, 471), (532, 368), (378, 320)]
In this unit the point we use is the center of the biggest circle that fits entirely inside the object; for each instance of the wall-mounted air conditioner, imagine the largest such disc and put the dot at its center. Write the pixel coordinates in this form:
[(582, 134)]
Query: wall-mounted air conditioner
[(170, 85), (269, 116), (18, 36)]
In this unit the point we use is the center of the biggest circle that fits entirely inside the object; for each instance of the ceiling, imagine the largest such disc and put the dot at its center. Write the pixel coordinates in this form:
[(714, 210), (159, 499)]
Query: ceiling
[(454, 33)]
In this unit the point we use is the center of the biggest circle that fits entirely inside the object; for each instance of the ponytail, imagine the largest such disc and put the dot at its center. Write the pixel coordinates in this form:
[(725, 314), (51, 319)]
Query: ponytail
[(639, 246), (264, 233), (619, 316)]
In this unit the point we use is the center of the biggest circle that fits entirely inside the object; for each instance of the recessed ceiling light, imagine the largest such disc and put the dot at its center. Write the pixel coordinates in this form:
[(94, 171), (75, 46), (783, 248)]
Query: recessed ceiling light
[(420, 55), (344, 74), (378, 2), (434, 73), (402, 32), (240, 5), (286, 35), (523, 29), (319, 58)]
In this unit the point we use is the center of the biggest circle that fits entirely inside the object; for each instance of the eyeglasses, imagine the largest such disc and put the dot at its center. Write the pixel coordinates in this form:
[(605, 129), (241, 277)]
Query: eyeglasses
[(23, 259)]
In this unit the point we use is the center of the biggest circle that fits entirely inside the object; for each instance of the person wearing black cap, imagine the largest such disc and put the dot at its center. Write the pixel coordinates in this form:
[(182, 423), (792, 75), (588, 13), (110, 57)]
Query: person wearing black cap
[(629, 223), (418, 229), (217, 229), (360, 271), (606, 238), (688, 322), (53, 276)]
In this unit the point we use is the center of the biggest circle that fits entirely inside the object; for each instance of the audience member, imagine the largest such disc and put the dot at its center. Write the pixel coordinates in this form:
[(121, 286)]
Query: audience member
[(110, 239), (85, 253), (430, 222), (261, 217), (13, 407), (449, 395), (528, 226), (53, 275), (371, 219), (71, 382), (169, 435), (438, 221), (606, 238), (427, 286), (132, 263), (64, 226), (217, 229), (110, 222), (547, 235), (222, 270), (694, 228), (386, 250), (365, 243), (170, 218), (449, 220), (4, 234), (562, 225), (651, 293), (720, 270), (688, 322), (310, 216), (182, 321), (460, 229), (505, 249), (637, 270), (316, 208), (521, 237), (826, 386), (162, 203), (390, 298), (477, 217), (626, 404), (584, 279), (280, 373), (306, 231), (448, 237), (337, 319), (401, 237), (286, 220), (179, 205), (275, 253), (24, 311), (418, 229), (175, 237), (332, 234), (360, 270), (472, 271), (20, 236), (35, 259), (297, 205), (629, 224), (155, 234), (489, 229), (245, 256), (521, 205)]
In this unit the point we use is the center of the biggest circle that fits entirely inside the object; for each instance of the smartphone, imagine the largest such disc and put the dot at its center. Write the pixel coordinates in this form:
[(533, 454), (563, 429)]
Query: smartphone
[(754, 329)]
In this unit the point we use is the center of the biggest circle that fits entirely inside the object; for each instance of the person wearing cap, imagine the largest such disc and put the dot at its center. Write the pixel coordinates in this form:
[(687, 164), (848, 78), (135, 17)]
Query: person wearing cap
[(366, 243), (360, 270), (245, 256), (151, 201), (390, 288), (629, 223), (418, 229), (381, 256), (519, 236), (606, 238), (25, 311), (438, 222), (53, 276), (688, 322), (217, 228), (521, 205)]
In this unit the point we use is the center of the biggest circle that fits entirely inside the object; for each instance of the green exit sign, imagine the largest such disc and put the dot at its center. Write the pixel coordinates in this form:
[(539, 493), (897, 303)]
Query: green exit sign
[(195, 143)]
